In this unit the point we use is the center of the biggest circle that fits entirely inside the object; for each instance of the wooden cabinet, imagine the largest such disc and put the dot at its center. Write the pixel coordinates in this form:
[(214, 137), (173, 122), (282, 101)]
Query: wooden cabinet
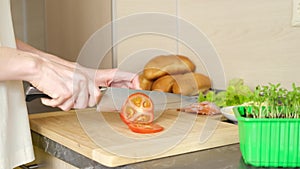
[(70, 23), (138, 47)]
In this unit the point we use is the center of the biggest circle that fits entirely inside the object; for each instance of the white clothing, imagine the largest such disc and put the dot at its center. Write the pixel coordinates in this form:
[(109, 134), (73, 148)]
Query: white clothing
[(15, 138)]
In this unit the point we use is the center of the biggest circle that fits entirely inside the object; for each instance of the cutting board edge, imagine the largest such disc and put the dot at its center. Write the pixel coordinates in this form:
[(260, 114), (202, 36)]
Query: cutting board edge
[(58, 138), (117, 161)]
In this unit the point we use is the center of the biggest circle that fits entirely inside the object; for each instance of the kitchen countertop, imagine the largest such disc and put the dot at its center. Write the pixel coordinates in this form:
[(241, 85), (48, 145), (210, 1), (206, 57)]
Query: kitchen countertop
[(65, 129), (225, 157)]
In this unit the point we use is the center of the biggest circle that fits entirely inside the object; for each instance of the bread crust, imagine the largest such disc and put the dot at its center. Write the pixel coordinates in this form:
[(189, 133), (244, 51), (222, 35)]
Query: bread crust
[(190, 84), (145, 84), (168, 64), (164, 84)]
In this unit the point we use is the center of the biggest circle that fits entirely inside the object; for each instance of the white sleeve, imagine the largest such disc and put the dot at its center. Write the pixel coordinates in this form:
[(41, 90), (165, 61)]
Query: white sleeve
[(15, 138)]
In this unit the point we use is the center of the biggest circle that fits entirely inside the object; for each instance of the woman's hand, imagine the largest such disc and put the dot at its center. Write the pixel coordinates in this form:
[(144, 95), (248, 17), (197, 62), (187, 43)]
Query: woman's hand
[(68, 87), (113, 78), (77, 86), (71, 85)]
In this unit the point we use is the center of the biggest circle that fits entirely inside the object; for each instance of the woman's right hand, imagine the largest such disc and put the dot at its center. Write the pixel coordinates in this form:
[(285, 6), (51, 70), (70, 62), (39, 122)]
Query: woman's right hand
[(67, 86)]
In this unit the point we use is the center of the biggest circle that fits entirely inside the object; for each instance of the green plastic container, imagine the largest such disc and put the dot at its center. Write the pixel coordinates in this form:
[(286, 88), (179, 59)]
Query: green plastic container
[(269, 142)]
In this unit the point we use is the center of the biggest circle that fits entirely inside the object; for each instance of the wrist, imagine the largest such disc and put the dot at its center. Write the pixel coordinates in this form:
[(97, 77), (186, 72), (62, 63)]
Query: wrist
[(18, 65), (32, 69)]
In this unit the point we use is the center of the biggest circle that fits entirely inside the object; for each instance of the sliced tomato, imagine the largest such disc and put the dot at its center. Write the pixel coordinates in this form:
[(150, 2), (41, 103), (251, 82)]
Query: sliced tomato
[(138, 108), (145, 128), (137, 113)]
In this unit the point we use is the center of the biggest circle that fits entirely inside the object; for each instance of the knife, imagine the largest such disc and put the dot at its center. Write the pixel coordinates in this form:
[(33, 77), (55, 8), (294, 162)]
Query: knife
[(113, 98)]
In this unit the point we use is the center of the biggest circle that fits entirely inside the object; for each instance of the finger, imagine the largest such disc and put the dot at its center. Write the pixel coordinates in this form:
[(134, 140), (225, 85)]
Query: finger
[(95, 96), (121, 84), (67, 105), (81, 100), (54, 102)]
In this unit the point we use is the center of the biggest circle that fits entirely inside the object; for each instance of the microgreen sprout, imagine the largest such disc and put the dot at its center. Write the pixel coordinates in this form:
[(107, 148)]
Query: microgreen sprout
[(274, 101)]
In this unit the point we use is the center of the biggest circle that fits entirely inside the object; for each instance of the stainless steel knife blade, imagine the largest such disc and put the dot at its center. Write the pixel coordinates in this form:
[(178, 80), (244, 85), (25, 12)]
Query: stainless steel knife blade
[(115, 97)]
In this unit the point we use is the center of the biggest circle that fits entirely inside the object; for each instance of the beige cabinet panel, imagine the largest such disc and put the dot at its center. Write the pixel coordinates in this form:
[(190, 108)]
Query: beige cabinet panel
[(134, 50), (28, 20), (70, 23), (254, 39), (129, 7)]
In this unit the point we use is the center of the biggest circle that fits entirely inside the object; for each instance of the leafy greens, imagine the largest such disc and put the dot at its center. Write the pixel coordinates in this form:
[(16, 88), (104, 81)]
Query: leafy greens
[(272, 101), (236, 93)]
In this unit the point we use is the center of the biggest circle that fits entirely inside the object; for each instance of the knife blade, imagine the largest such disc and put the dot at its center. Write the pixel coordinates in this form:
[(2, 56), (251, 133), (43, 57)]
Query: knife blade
[(115, 97)]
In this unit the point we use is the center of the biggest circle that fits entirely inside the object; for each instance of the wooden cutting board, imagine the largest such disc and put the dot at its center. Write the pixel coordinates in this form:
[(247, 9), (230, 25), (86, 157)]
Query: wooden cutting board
[(65, 128)]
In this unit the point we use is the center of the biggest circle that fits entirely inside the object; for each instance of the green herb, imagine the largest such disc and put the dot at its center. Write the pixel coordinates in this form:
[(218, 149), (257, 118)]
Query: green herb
[(271, 101), (236, 93)]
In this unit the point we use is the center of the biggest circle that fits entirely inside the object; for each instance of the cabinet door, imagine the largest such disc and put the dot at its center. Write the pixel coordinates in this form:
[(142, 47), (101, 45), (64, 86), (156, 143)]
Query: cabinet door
[(254, 39), (28, 20), (135, 48), (70, 23)]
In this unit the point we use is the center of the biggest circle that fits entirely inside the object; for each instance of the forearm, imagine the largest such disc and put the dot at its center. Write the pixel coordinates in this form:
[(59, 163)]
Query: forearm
[(102, 77), (18, 65), (25, 47)]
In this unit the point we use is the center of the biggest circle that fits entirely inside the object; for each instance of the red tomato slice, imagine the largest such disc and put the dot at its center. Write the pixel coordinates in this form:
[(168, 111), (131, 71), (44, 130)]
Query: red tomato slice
[(138, 108), (145, 128), (137, 113)]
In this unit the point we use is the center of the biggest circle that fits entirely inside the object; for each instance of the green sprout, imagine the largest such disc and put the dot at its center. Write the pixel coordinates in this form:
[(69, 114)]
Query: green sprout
[(274, 101)]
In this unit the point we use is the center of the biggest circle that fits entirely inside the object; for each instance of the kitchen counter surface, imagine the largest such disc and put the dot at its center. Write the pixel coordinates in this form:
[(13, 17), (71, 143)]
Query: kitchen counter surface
[(225, 157), (221, 157)]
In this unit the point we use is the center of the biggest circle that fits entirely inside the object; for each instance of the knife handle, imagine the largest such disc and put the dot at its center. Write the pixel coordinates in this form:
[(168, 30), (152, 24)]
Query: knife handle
[(33, 93), (31, 97)]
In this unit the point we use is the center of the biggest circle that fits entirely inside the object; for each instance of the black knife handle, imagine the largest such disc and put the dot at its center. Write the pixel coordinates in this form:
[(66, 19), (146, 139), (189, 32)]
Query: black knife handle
[(33, 93), (31, 97)]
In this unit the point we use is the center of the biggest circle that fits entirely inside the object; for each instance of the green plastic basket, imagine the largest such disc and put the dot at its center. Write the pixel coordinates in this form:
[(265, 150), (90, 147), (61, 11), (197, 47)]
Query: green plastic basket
[(269, 142)]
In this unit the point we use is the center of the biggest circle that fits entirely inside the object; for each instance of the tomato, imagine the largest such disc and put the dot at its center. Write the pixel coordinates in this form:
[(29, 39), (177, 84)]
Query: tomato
[(138, 108), (137, 113), (145, 128)]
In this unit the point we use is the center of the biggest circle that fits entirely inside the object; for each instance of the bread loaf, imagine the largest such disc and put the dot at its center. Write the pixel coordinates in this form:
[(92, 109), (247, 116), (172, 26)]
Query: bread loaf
[(167, 64), (174, 74), (145, 84), (190, 84), (164, 84)]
